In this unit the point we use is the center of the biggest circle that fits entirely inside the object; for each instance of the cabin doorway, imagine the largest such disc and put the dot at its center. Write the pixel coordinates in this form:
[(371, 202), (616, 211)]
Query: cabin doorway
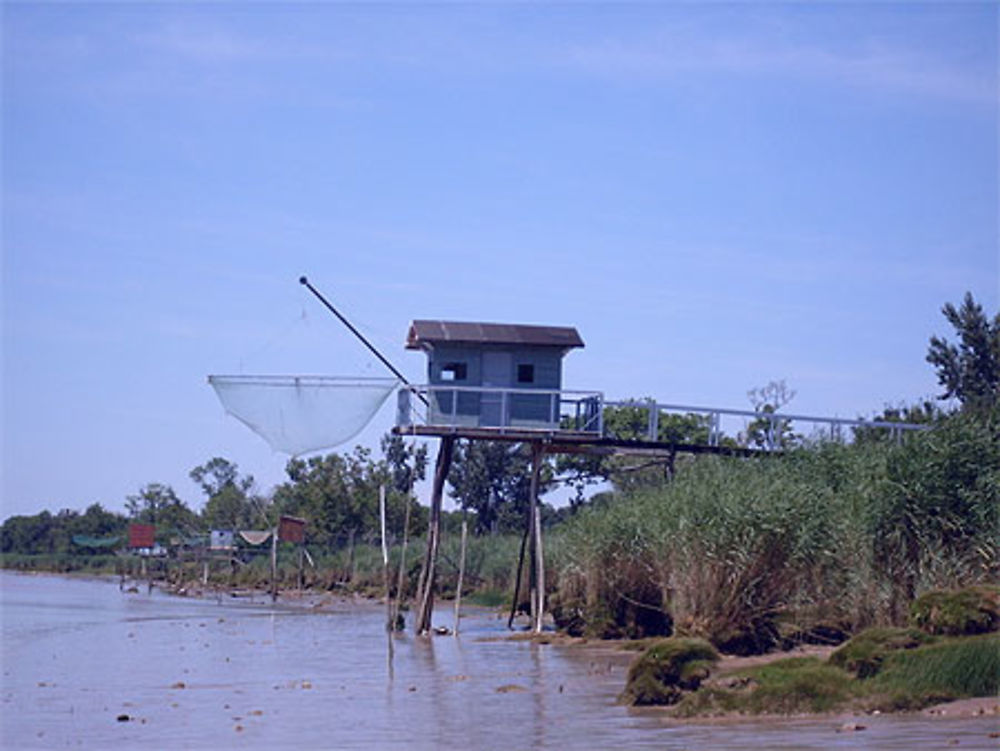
[(497, 370)]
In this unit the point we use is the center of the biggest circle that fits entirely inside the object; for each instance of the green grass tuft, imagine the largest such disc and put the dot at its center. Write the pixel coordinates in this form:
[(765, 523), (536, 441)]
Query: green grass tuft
[(864, 654), (799, 684), (953, 669)]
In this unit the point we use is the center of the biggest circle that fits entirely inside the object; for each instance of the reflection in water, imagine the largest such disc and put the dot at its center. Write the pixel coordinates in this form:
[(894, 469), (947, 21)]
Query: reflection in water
[(77, 655)]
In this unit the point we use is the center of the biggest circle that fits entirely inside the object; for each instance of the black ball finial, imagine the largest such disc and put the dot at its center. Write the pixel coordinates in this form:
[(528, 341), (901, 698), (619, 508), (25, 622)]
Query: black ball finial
[(303, 280)]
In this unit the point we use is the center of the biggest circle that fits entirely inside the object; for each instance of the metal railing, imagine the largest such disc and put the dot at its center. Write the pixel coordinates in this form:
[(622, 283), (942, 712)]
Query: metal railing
[(491, 407), (768, 430), (584, 412)]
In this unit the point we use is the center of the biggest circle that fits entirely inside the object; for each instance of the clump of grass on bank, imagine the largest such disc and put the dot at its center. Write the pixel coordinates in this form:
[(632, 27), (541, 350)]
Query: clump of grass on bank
[(865, 653), (974, 610), (954, 669), (662, 673), (911, 674), (792, 685)]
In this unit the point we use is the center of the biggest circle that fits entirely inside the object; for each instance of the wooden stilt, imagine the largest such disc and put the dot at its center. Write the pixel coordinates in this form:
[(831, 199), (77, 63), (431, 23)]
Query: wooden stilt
[(461, 576), (274, 564), (538, 558), (401, 580), (425, 590), (520, 570), (386, 577)]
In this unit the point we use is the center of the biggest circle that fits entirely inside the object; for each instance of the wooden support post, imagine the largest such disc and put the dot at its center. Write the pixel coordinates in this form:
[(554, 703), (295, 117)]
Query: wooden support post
[(302, 566), (425, 588), (461, 576), (520, 570), (537, 556), (386, 577), (401, 581), (274, 564)]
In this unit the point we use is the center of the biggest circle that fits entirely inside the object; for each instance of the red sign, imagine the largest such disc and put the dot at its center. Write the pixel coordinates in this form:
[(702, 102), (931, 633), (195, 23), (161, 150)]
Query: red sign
[(141, 535), (292, 529)]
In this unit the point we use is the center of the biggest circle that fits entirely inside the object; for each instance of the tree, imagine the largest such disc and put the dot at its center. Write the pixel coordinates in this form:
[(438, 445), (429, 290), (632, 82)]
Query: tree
[(765, 431), (27, 534), (338, 496), (229, 503), (918, 413), (493, 478), (630, 421), (158, 504), (408, 465), (969, 370)]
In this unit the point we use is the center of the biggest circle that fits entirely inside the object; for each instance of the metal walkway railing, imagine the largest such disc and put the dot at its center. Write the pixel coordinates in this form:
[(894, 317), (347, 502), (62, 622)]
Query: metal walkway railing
[(585, 412)]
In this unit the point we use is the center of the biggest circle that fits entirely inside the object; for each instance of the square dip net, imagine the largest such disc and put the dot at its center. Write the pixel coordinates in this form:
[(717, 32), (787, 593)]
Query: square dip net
[(299, 414)]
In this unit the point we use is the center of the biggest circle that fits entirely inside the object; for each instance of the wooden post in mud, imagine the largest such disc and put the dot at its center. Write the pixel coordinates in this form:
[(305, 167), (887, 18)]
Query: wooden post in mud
[(425, 587), (537, 556), (386, 576), (520, 570), (461, 576), (274, 564)]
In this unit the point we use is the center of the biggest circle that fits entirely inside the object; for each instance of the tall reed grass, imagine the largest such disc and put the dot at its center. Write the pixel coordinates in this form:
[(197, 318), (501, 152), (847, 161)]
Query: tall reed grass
[(747, 552)]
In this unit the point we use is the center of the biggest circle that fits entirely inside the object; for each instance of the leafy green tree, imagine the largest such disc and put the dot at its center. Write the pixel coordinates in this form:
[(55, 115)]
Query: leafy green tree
[(159, 505), (338, 495), (969, 370), (918, 413), (27, 534), (53, 533), (229, 503), (630, 421), (493, 479), (766, 432), (96, 521), (407, 464)]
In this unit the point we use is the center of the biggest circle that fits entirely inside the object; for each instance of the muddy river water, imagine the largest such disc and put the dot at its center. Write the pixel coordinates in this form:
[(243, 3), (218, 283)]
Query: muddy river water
[(87, 666)]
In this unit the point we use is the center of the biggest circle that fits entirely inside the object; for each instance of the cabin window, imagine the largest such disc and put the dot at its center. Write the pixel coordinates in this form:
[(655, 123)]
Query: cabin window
[(525, 373), (453, 371)]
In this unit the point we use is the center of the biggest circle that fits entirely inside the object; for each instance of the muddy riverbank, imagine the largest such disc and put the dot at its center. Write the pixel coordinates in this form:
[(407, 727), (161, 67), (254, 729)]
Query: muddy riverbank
[(85, 665)]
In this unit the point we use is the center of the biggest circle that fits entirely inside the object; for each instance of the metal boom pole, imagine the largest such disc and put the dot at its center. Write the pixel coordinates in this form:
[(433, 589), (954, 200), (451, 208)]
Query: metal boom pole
[(329, 306)]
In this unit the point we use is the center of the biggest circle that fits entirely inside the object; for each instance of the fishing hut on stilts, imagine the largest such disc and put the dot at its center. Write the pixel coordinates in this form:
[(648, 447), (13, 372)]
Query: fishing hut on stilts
[(493, 382), (485, 382)]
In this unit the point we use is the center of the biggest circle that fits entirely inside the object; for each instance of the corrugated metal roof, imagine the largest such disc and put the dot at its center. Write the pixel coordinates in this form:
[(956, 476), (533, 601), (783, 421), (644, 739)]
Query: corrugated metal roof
[(464, 332)]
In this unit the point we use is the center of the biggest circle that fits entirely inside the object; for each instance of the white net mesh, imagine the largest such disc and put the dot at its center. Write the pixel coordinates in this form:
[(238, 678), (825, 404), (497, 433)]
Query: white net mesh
[(298, 414)]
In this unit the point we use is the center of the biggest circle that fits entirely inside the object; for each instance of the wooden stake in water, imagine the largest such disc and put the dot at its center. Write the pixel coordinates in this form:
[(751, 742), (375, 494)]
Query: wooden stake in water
[(385, 574), (425, 589), (274, 564), (461, 576), (537, 557)]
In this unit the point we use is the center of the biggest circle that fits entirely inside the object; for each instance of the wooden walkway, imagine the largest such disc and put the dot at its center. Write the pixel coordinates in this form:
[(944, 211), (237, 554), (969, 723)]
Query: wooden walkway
[(576, 442)]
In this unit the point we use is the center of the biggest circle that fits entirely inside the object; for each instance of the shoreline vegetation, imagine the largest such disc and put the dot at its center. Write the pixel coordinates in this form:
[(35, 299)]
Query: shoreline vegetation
[(881, 552)]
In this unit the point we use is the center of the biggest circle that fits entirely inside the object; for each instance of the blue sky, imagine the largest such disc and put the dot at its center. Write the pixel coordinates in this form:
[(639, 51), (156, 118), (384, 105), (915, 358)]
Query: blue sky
[(717, 196)]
